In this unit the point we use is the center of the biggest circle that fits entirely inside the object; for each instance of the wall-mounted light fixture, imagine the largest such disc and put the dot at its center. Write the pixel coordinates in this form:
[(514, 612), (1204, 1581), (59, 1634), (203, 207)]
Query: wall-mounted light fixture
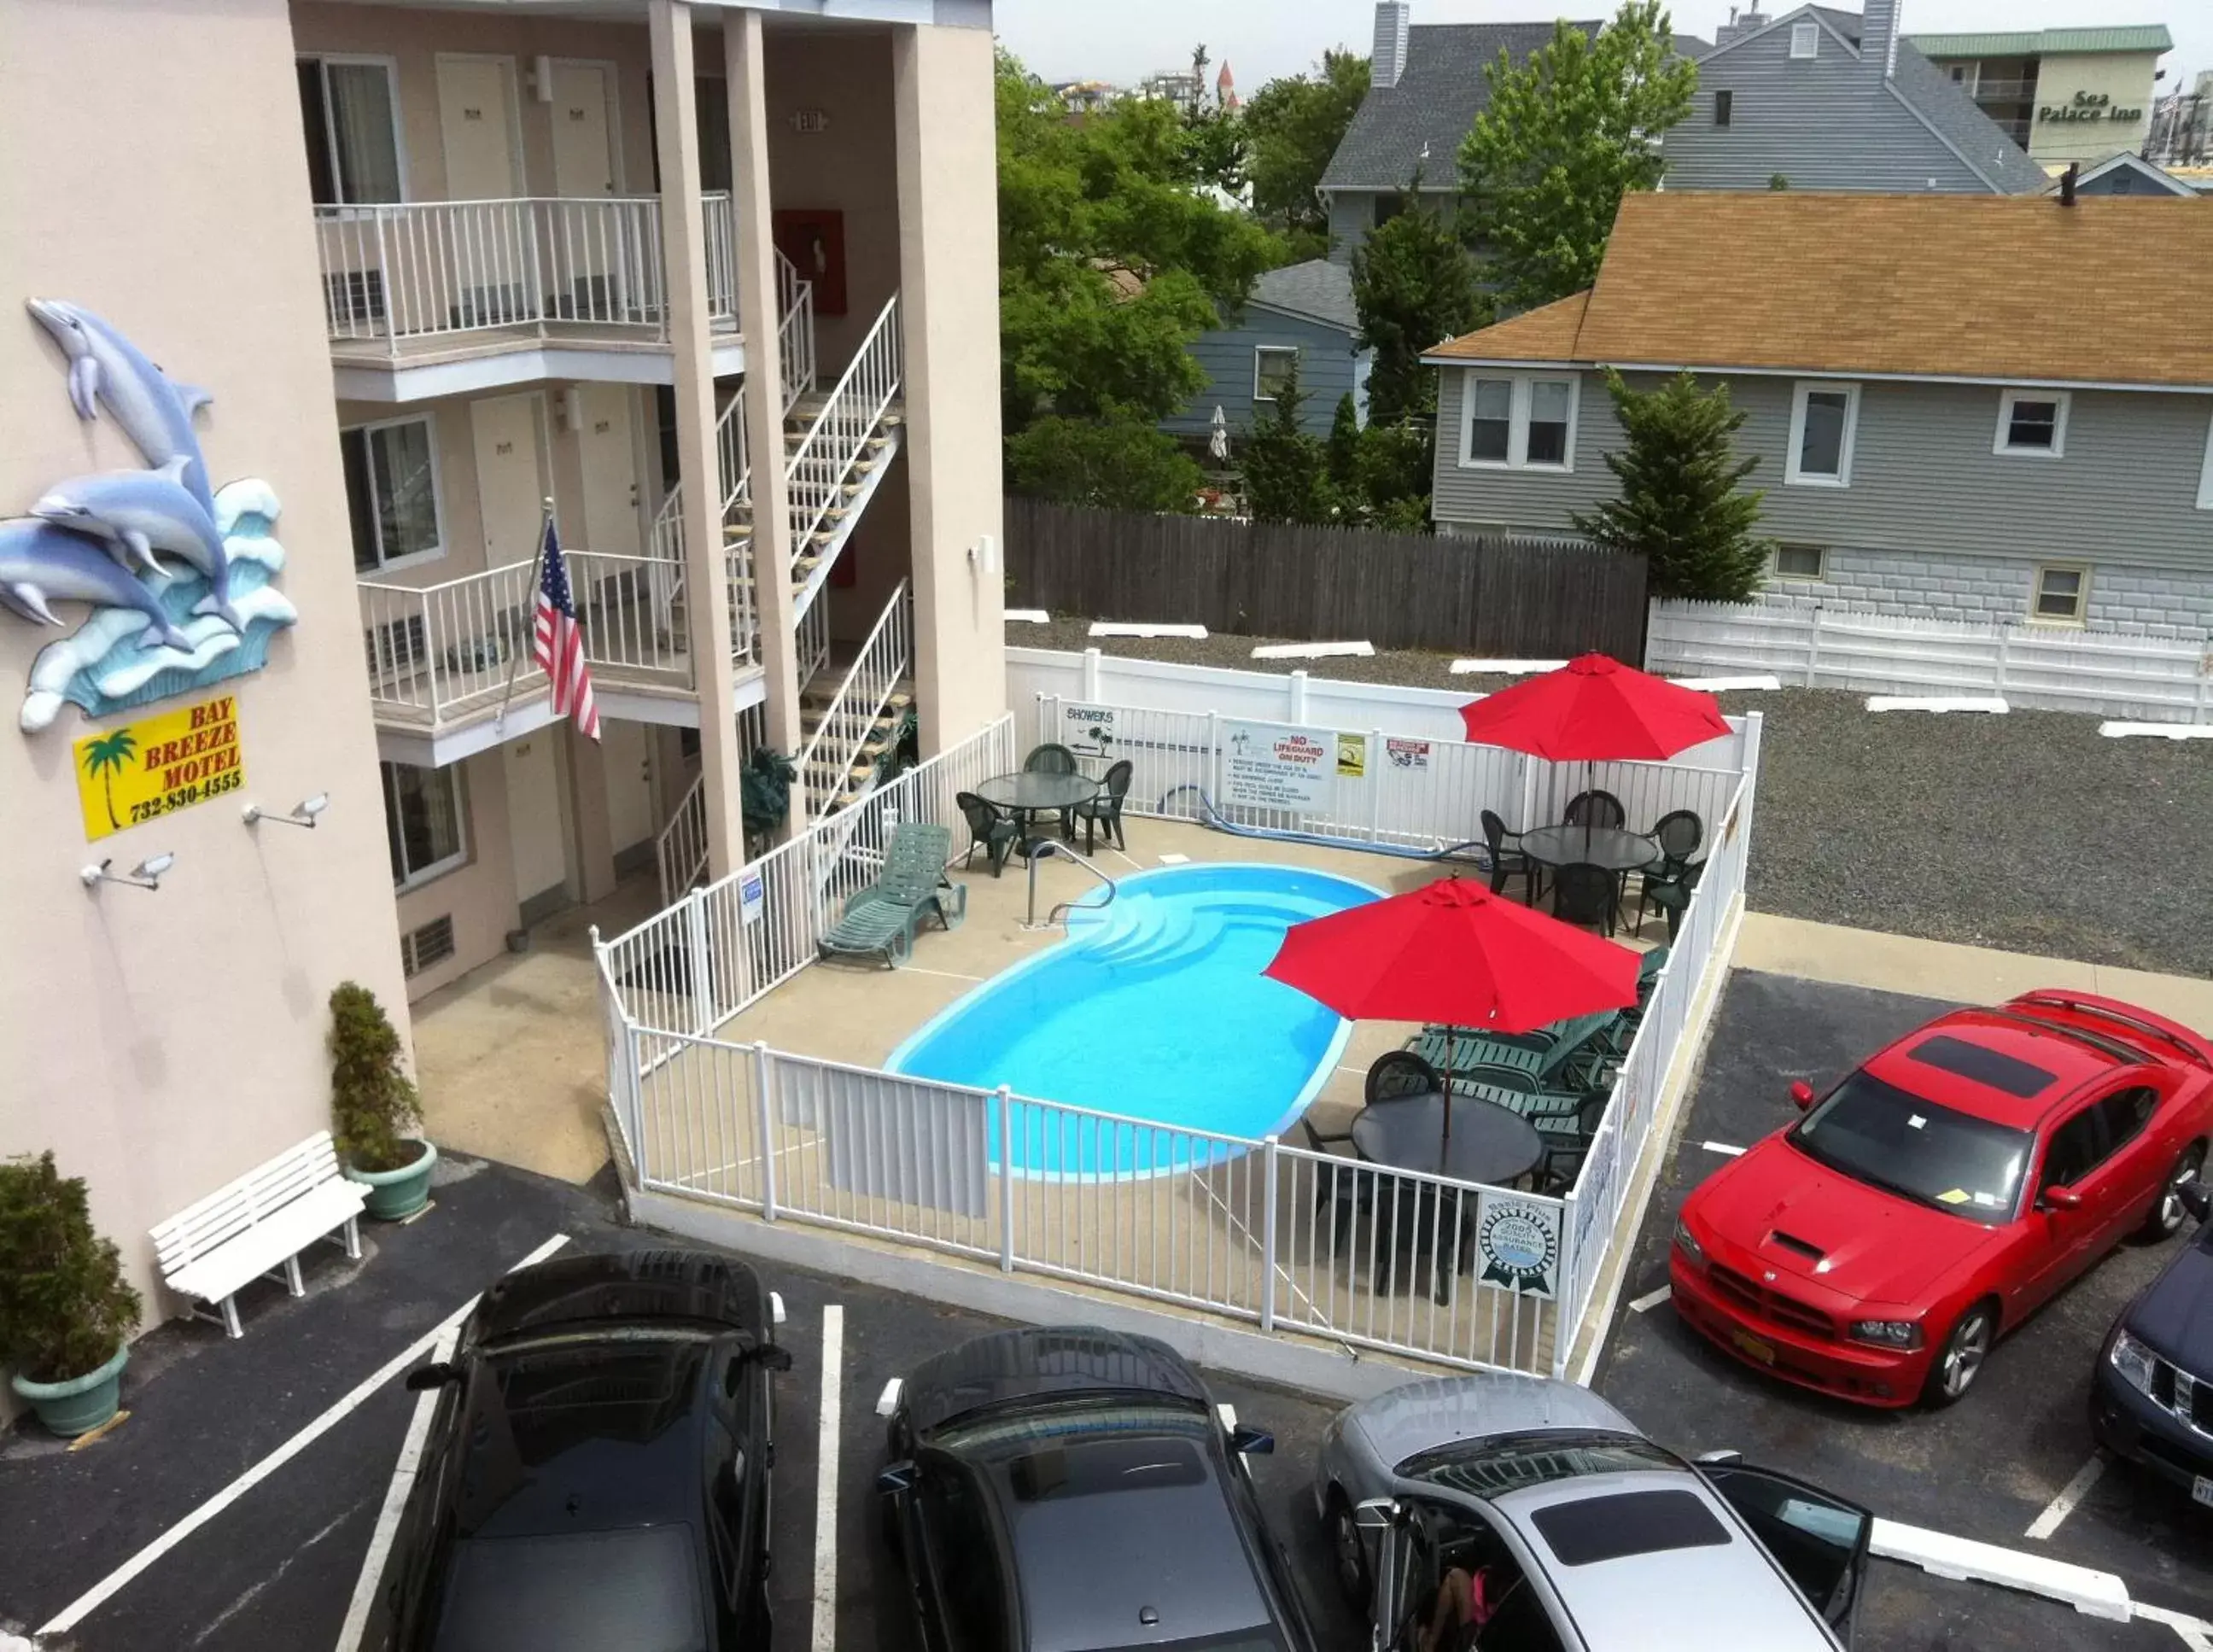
[(985, 554), (541, 78), (147, 874), (303, 812)]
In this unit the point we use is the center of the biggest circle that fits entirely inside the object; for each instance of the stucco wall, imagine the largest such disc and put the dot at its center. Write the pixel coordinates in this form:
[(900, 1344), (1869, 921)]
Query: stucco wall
[(479, 896), (164, 1043), (2123, 77)]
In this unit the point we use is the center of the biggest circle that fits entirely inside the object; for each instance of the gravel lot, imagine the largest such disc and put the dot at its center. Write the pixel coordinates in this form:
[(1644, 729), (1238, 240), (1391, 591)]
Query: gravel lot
[(2030, 831)]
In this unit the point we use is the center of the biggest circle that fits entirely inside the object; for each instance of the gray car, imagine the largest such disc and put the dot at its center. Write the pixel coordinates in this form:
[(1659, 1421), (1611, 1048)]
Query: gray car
[(1586, 1536)]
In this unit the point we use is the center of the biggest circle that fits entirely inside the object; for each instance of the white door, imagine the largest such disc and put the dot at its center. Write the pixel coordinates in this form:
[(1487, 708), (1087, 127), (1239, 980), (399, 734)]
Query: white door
[(629, 782), (607, 454), (583, 129), (534, 827), (510, 487), (476, 117)]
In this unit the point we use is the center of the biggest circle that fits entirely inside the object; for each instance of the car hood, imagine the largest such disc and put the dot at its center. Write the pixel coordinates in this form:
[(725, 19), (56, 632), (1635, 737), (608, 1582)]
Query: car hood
[(1044, 1362), (1806, 1221), (2175, 1312), (1422, 1416)]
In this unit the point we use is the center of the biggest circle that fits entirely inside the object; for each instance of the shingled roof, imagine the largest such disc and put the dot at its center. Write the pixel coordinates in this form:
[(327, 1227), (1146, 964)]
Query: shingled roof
[(1317, 290), (1950, 286)]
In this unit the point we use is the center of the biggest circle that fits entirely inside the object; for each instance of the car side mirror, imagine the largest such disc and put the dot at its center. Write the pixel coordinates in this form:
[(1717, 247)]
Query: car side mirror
[(1249, 1441), (893, 1479), (1802, 1094), (2197, 1199), (2061, 1199), (1722, 1459), (1376, 1514), (437, 1374), (769, 1356)]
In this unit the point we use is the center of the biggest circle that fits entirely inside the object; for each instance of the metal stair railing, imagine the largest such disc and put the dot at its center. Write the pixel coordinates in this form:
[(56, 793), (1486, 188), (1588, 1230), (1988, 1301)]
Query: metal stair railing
[(680, 850), (816, 473), (850, 718)]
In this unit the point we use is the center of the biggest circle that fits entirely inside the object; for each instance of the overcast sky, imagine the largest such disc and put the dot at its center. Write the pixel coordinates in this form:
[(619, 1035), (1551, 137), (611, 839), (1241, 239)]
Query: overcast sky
[(1122, 40)]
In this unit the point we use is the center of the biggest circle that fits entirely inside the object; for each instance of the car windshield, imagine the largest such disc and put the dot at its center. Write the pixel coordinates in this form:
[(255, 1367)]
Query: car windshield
[(1005, 1431), (577, 1591), (1879, 1134), (1491, 1468)]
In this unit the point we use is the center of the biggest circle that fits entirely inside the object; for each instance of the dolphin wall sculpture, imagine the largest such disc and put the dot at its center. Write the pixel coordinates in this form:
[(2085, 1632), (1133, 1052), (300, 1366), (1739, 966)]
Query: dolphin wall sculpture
[(41, 563), (107, 368), (136, 513)]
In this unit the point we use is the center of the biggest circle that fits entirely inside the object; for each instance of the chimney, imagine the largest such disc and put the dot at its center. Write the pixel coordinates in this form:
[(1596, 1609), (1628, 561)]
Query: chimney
[(2067, 183), (1393, 18), (1749, 22), (1879, 36)]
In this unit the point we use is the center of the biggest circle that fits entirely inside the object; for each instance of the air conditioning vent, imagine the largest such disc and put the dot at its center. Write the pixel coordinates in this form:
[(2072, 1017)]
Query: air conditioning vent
[(354, 296), (397, 650), (432, 943)]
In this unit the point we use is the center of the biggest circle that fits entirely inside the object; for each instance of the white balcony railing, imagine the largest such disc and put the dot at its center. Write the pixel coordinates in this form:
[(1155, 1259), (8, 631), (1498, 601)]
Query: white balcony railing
[(822, 465), (417, 271), (440, 652)]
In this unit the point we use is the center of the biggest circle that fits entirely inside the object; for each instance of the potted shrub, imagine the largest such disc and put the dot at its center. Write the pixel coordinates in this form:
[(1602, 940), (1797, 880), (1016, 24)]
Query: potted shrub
[(65, 1309), (374, 1106)]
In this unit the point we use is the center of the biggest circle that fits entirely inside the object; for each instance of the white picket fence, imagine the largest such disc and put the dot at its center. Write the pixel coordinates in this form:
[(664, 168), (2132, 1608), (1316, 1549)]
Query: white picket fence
[(2041, 667)]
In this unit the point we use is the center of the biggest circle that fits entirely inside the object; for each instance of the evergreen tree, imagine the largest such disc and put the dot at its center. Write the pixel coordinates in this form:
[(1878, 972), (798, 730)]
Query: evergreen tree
[(1293, 125), (1680, 504), (1413, 287), (1116, 461), (1286, 469)]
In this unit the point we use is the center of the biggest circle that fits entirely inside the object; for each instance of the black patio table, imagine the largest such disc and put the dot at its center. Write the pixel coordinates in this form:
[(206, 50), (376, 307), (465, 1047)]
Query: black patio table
[(1611, 847), (1488, 1144), (1034, 792)]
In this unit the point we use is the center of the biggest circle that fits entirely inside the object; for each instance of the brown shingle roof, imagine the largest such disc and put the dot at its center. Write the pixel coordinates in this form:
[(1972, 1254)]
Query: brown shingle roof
[(2114, 289)]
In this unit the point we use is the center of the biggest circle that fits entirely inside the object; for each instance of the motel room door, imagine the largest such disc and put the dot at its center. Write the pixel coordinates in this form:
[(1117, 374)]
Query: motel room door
[(600, 264), (477, 122), (510, 482)]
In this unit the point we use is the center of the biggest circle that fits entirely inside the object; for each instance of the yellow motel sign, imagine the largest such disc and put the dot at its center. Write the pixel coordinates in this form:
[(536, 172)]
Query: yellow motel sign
[(159, 765)]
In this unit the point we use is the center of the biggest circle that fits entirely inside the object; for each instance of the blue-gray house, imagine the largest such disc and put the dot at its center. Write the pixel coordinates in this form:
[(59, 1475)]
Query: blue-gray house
[(1301, 314)]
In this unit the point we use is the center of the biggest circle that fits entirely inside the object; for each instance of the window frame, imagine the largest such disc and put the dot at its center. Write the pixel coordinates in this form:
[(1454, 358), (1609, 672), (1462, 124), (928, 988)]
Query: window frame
[(1724, 106), (1259, 350), (1809, 33), (2089, 1112), (385, 565), (387, 788), (1818, 576), (390, 65), (1801, 391), (2008, 399), (1518, 421), (2205, 472), (2081, 617)]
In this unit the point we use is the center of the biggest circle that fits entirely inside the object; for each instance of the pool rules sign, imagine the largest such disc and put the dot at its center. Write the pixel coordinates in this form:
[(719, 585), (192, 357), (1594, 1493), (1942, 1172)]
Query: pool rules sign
[(159, 765)]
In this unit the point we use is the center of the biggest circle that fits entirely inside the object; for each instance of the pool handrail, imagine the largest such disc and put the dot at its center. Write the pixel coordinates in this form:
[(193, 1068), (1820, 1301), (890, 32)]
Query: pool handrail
[(1044, 848)]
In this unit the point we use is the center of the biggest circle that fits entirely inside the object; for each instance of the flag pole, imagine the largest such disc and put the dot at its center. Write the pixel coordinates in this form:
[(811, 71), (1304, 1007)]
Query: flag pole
[(530, 599)]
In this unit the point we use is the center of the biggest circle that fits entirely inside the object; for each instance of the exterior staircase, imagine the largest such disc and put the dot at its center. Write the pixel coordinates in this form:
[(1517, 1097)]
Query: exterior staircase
[(851, 715)]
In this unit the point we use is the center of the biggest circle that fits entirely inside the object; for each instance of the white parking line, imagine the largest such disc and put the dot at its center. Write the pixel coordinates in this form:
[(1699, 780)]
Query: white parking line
[(1651, 1299), (1723, 1147), (2069, 1494), (76, 1613), (825, 1480), (2196, 1634), (395, 1503)]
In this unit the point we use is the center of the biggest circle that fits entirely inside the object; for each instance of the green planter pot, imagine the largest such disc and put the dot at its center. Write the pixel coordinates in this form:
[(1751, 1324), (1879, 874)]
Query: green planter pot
[(396, 1193), (80, 1404)]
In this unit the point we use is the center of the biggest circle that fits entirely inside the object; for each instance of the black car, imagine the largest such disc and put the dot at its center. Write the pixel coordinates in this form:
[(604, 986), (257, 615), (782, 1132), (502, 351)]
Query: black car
[(1066, 1487), (596, 1472), (2151, 1398)]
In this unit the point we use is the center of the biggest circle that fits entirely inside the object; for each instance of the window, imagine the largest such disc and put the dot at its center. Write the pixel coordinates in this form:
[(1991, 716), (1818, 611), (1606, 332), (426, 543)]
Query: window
[(1823, 417), (2127, 1113), (422, 822), (392, 493), (349, 112), (2031, 422), (1724, 106), (2062, 592), (1805, 40), (2205, 474), (1800, 561), (2076, 1148), (1518, 423), (1273, 366), (1909, 1146), (1388, 207)]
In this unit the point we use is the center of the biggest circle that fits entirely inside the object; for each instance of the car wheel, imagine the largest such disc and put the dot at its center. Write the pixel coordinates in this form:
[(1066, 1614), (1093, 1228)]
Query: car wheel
[(2168, 1214), (1959, 1360), (1348, 1554)]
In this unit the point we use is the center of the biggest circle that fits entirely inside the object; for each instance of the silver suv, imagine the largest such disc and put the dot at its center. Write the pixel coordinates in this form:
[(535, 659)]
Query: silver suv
[(1584, 1535)]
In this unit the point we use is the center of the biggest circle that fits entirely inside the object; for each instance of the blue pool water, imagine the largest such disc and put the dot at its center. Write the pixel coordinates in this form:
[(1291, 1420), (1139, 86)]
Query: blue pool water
[(1155, 1007)]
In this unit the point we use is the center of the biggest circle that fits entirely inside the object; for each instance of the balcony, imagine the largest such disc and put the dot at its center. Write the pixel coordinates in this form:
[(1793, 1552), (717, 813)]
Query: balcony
[(424, 298), (1988, 91)]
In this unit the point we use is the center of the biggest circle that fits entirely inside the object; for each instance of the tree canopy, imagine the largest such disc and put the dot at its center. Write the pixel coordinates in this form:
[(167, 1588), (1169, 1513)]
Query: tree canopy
[(1566, 134), (1292, 127), (1413, 287)]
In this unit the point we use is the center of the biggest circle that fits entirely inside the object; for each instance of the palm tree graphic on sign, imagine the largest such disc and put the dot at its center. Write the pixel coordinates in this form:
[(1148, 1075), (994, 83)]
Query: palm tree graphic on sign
[(104, 758)]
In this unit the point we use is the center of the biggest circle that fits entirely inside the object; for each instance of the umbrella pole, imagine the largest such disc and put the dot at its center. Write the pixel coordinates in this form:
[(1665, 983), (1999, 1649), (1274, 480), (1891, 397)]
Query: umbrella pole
[(1447, 1079)]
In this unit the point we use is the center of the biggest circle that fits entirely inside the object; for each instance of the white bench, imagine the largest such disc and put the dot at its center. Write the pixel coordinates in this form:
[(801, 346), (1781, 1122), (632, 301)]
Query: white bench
[(258, 1224)]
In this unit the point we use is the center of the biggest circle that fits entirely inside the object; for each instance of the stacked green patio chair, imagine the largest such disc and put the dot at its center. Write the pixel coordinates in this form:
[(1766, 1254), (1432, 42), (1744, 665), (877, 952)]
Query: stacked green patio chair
[(881, 919), (1572, 1052)]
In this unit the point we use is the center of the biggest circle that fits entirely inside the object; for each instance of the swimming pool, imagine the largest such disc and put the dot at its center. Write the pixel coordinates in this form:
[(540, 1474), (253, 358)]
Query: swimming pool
[(1155, 1007)]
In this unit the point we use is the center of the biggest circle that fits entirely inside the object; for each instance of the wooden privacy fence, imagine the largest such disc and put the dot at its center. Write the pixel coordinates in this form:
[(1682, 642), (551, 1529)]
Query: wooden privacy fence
[(1478, 594)]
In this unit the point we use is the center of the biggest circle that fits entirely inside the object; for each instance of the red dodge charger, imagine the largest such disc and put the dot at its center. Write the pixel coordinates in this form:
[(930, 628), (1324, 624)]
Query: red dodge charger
[(1940, 1193)]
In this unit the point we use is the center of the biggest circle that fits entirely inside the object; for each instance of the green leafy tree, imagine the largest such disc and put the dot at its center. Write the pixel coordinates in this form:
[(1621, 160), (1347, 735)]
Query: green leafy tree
[(1680, 504), (1380, 473), (1566, 134), (1413, 287), (1292, 127), (1120, 463), (1286, 468), (104, 758)]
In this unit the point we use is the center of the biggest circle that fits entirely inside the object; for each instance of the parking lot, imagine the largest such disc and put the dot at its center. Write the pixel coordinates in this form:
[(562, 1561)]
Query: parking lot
[(207, 1521)]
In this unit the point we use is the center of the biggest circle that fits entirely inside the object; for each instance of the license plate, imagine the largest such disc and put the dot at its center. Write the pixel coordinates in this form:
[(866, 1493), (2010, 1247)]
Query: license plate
[(2201, 1491), (1753, 1348)]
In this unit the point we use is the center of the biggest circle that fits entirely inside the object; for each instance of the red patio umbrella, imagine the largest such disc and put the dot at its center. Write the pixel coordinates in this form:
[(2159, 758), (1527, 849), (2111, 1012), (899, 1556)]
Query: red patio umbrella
[(1595, 709), (1452, 952)]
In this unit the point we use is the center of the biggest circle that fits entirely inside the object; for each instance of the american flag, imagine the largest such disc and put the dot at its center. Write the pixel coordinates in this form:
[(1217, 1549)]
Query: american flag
[(557, 642)]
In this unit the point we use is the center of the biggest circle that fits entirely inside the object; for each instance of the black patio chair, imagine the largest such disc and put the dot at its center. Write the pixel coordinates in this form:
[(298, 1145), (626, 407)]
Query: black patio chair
[(1049, 758), (1566, 1150), (1106, 809), (1585, 895), (989, 829), (1399, 1074), (1674, 898), (1507, 859), (1678, 835), (1595, 808)]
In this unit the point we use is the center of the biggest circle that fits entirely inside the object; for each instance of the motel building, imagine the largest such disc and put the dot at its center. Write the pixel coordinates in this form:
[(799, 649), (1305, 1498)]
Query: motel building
[(715, 285), (2068, 96)]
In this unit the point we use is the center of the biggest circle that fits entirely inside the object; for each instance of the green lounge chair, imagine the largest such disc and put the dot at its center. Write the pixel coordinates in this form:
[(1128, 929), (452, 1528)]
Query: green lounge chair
[(1569, 1051), (883, 918)]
